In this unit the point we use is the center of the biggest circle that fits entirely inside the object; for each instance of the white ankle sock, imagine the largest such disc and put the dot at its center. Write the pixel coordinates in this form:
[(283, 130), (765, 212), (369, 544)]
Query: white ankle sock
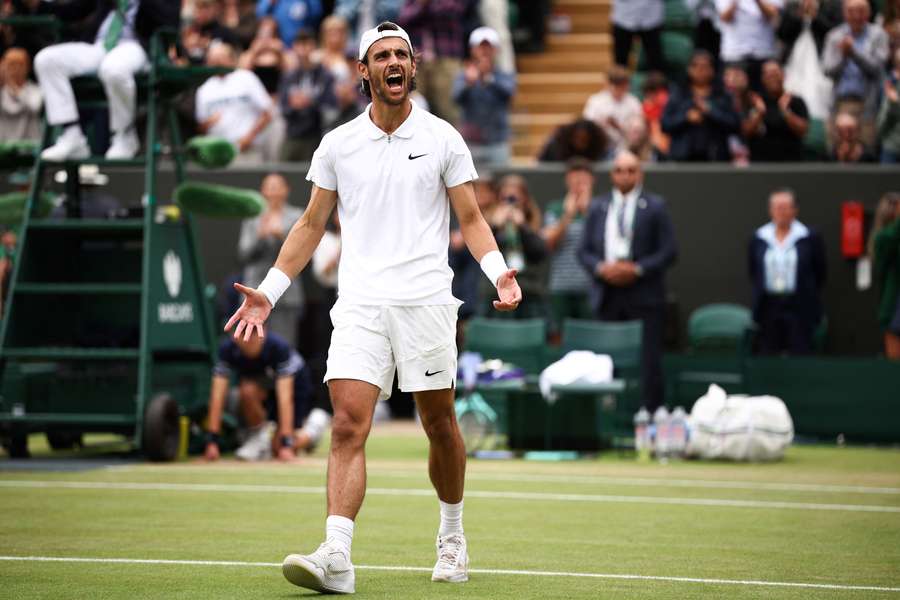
[(72, 130), (451, 518), (340, 530)]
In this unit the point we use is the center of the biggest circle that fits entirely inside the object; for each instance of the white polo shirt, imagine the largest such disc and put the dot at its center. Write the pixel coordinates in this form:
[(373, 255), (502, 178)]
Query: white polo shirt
[(749, 34), (393, 206)]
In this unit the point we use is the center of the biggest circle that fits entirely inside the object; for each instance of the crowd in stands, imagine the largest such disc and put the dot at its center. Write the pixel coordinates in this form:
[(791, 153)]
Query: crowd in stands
[(767, 80)]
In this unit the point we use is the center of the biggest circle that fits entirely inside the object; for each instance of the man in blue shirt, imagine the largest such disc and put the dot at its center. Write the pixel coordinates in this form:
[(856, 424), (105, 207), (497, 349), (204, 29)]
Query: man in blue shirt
[(273, 384), (291, 16), (483, 93)]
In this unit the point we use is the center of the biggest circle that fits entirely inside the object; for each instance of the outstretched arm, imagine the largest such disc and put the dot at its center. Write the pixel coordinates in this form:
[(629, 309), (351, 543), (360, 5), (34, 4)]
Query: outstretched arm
[(294, 255), (480, 241)]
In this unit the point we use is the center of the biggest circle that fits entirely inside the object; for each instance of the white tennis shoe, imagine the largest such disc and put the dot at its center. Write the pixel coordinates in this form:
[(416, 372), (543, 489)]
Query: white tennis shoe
[(70, 145), (452, 559), (258, 445), (328, 569)]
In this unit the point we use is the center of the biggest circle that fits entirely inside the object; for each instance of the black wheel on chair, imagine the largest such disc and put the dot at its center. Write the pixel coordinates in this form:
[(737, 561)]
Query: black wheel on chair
[(161, 430)]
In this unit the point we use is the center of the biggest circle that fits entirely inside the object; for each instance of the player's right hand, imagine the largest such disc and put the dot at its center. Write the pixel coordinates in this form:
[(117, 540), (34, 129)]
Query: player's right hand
[(508, 291), (251, 315), (212, 452)]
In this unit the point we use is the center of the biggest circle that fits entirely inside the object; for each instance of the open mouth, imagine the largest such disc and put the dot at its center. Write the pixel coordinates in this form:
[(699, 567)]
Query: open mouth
[(394, 82)]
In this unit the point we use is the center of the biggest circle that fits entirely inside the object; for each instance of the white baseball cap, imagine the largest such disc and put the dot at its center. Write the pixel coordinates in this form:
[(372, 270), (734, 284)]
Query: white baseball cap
[(484, 34), (373, 35)]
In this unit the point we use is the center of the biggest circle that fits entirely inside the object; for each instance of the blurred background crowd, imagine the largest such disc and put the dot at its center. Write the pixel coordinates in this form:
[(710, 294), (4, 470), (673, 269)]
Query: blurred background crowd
[(709, 80)]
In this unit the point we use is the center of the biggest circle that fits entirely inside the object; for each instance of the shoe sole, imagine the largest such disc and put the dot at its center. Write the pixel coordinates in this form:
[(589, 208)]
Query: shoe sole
[(304, 574), (464, 577)]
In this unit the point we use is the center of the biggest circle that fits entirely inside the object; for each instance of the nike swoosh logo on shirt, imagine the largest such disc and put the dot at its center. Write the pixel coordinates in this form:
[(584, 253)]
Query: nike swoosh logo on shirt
[(427, 374), (411, 157)]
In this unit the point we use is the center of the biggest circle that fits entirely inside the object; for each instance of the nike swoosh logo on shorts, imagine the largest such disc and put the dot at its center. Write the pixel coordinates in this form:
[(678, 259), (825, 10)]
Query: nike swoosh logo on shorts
[(411, 157), (427, 374)]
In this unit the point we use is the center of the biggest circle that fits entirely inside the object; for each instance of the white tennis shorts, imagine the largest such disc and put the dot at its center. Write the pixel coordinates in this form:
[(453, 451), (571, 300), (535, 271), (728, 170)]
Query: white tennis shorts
[(370, 342)]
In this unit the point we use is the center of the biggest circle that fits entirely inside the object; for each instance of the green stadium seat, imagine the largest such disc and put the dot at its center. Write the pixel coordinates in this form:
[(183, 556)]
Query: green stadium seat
[(620, 339), (520, 342), (815, 142), (677, 49), (719, 327), (678, 17)]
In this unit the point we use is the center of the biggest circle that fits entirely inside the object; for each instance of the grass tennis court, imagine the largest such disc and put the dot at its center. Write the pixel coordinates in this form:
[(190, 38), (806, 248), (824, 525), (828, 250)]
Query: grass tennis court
[(826, 517)]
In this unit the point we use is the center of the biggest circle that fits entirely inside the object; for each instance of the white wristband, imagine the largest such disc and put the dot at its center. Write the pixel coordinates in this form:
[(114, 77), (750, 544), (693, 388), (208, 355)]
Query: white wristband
[(493, 265), (274, 285)]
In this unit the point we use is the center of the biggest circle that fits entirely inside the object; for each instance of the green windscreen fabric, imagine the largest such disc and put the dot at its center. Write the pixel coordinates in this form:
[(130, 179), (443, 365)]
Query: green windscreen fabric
[(223, 201)]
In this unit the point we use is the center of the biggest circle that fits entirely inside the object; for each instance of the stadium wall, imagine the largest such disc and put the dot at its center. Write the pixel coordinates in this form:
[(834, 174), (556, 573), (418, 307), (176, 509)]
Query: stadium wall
[(715, 209)]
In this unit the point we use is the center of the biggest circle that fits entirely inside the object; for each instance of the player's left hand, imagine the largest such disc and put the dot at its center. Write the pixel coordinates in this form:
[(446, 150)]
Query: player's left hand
[(509, 292)]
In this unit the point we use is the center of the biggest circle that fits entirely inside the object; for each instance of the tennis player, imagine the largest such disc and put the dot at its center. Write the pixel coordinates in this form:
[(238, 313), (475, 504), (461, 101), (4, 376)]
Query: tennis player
[(390, 172)]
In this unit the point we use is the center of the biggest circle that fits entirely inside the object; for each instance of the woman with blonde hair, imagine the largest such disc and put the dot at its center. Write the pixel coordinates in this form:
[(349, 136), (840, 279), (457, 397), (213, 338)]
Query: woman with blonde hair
[(884, 249)]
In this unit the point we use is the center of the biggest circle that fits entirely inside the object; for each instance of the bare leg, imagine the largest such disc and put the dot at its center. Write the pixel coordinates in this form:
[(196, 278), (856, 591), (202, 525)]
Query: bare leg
[(252, 397), (447, 452), (354, 404)]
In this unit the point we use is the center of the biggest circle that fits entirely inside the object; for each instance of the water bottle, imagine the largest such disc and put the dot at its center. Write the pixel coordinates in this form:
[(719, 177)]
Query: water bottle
[(642, 434), (661, 424), (678, 434)]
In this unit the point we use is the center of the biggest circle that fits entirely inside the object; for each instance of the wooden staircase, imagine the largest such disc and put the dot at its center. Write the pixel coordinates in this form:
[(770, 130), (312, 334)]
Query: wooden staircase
[(553, 86)]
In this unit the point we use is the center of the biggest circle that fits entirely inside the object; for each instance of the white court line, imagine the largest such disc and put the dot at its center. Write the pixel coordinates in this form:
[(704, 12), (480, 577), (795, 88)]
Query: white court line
[(234, 563), (420, 473), (376, 491)]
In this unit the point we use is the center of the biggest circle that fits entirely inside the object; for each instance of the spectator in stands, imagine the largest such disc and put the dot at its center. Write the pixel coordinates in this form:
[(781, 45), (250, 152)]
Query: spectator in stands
[(889, 20), (787, 272), (332, 54), (260, 241), (483, 93), (627, 246), (267, 39), (234, 106), (20, 99), (435, 28), (656, 95), (532, 20), (581, 138), (362, 15), (291, 15), (637, 139), (884, 251), (821, 16), (848, 145), (273, 384), (612, 107), (748, 33), (119, 52), (889, 115), (240, 17), (643, 18), (516, 223), (348, 105), (706, 32), (206, 24), (700, 117), (854, 57), (737, 85), (777, 121), (569, 284), (305, 94)]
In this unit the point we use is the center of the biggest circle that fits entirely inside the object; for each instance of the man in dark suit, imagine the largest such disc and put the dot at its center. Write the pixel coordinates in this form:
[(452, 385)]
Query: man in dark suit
[(628, 244), (786, 262)]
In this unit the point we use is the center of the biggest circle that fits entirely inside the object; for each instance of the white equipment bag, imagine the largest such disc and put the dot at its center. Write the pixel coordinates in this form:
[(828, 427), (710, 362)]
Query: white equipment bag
[(804, 77), (741, 428)]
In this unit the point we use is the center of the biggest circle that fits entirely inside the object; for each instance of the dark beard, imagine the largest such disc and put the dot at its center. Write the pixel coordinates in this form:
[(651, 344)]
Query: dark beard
[(381, 92)]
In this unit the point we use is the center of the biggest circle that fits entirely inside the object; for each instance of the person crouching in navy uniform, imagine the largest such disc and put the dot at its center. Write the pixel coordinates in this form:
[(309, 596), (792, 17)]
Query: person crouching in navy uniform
[(627, 246)]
